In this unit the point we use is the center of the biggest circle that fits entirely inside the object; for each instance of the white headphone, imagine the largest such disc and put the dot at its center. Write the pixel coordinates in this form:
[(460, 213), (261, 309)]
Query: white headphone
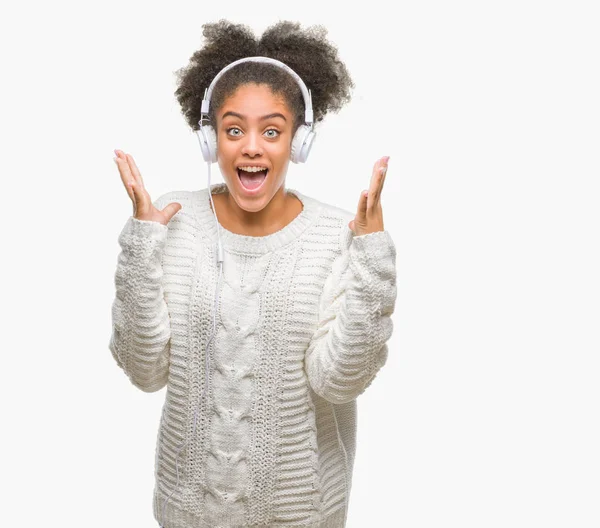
[(303, 138)]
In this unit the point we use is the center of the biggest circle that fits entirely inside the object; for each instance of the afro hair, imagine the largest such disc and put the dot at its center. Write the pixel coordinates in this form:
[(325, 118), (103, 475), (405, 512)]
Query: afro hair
[(305, 51)]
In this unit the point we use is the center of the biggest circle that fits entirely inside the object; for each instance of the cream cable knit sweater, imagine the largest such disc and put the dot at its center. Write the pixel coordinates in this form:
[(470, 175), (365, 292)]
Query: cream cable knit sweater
[(302, 324)]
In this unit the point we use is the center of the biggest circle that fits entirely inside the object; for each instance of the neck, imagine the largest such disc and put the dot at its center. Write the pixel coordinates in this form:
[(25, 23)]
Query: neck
[(279, 212)]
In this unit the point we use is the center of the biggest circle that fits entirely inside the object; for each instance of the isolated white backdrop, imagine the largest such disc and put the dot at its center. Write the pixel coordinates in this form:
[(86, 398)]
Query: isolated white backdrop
[(486, 414)]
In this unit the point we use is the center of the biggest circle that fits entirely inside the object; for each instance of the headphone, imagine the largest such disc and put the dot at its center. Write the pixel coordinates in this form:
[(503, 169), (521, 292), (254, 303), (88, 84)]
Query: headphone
[(303, 138), (301, 145)]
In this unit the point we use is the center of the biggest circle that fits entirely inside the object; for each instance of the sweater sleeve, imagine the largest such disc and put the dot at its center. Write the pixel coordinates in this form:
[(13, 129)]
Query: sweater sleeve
[(141, 331), (349, 346)]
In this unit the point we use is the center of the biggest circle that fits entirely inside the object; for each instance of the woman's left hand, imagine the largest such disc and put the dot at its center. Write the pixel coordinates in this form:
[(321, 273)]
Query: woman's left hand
[(369, 216)]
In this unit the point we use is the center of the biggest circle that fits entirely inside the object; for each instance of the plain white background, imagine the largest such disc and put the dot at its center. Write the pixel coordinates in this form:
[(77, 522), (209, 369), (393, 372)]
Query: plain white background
[(486, 414)]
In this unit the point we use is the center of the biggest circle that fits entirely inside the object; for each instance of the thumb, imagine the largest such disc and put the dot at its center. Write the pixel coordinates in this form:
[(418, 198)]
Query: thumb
[(170, 210)]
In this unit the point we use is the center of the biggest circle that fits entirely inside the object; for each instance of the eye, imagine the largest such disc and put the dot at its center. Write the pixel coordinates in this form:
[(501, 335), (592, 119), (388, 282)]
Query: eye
[(272, 130), (233, 128)]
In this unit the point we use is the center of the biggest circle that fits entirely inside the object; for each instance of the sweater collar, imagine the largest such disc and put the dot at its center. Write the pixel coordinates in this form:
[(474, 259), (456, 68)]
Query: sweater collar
[(246, 244)]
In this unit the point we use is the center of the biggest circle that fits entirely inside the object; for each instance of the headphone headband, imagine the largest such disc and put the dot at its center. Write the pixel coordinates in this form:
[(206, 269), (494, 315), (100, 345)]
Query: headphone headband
[(308, 113), (303, 137)]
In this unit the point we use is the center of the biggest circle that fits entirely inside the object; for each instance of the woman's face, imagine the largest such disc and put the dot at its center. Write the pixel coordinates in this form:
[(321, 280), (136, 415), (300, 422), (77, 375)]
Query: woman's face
[(254, 129)]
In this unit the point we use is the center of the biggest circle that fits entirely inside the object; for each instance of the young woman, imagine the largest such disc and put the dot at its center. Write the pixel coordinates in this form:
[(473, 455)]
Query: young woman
[(265, 326)]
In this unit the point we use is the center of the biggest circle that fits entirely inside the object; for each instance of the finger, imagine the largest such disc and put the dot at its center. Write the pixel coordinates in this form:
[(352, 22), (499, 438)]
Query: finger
[(377, 179), (126, 176), (122, 163), (375, 174), (170, 210), (130, 166), (134, 170), (135, 191), (131, 193), (142, 198), (143, 202), (361, 213), (383, 171)]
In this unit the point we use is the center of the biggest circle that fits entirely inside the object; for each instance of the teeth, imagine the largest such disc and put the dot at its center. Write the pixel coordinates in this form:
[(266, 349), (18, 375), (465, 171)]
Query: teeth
[(253, 169)]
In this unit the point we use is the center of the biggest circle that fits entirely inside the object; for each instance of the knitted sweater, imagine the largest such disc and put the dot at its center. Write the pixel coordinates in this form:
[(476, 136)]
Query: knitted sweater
[(301, 328)]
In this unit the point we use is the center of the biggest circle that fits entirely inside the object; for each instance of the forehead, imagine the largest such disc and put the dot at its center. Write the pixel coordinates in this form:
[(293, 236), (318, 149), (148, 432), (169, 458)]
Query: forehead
[(254, 101)]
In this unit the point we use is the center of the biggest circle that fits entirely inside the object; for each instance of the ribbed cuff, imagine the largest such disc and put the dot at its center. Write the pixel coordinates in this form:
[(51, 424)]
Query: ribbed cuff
[(376, 245), (148, 229)]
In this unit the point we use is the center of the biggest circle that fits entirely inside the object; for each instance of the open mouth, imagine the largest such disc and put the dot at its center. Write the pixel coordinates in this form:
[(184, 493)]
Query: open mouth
[(252, 181)]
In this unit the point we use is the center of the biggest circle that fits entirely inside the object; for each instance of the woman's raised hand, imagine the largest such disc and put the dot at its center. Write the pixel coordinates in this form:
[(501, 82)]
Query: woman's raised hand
[(369, 214), (143, 208)]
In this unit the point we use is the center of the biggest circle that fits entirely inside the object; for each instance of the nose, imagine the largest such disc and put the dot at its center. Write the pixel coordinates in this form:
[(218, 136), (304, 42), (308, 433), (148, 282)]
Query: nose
[(252, 146)]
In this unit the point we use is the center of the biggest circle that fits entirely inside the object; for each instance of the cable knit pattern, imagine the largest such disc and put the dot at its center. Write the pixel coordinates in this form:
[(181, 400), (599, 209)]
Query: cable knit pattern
[(301, 327)]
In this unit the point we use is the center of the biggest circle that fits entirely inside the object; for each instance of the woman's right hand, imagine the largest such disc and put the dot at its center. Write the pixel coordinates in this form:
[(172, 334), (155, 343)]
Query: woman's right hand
[(143, 208)]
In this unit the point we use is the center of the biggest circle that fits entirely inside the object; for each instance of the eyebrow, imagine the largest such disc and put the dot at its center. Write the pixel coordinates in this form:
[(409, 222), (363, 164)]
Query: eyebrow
[(269, 116)]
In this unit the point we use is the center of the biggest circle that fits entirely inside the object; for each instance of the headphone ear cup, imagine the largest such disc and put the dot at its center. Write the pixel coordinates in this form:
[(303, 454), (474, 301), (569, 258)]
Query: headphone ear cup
[(208, 143), (302, 143)]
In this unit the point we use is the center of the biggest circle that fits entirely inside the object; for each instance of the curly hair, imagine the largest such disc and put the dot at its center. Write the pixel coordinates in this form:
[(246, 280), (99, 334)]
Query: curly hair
[(306, 51)]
